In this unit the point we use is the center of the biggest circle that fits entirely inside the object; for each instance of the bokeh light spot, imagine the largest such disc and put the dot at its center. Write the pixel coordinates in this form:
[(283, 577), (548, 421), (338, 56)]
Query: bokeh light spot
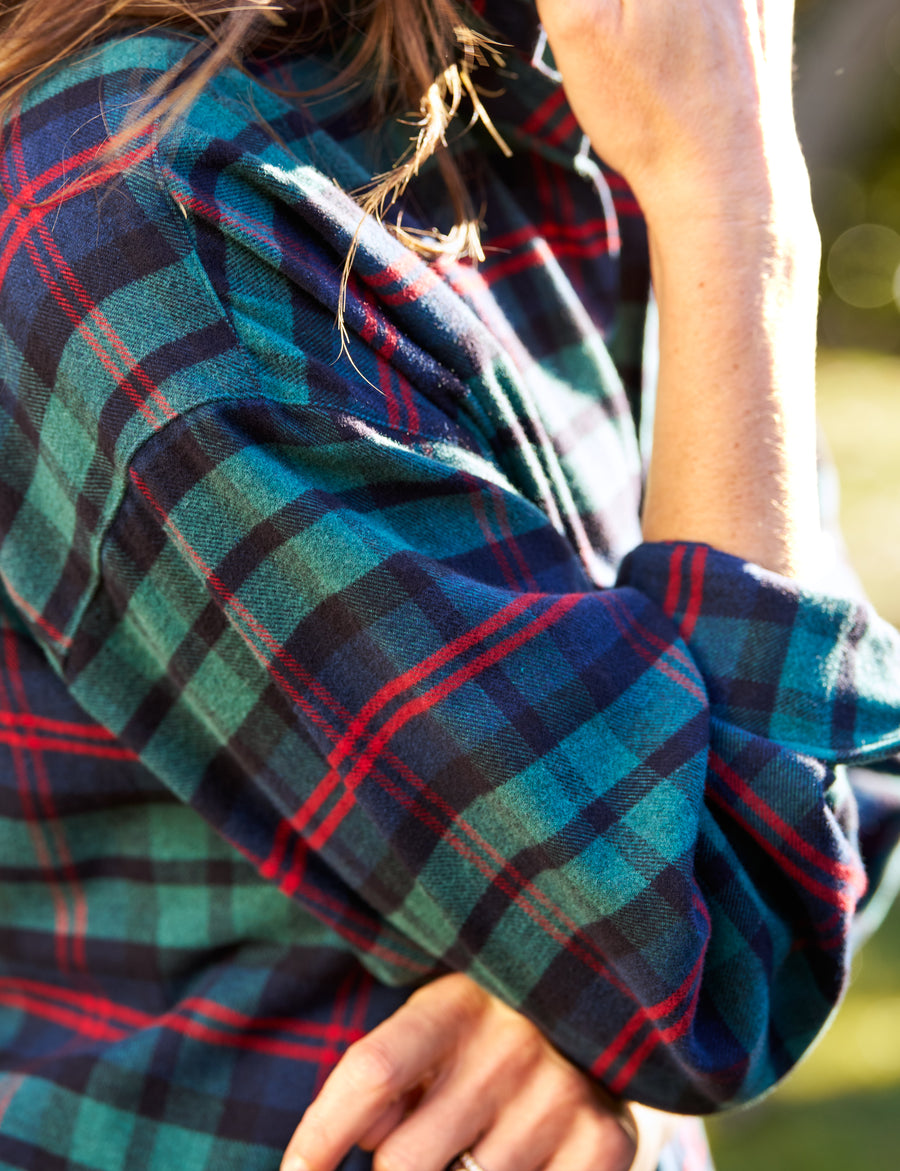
[(862, 265)]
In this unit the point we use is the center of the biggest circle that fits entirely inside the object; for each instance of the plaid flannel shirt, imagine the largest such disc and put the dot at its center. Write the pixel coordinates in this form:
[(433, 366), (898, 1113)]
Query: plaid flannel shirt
[(326, 672)]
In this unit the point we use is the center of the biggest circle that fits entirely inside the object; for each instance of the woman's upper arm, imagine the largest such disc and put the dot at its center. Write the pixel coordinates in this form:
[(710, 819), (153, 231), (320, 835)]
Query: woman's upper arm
[(542, 788), (333, 622), (539, 787)]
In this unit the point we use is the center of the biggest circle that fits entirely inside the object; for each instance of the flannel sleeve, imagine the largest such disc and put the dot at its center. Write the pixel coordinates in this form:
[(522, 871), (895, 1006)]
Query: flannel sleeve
[(363, 652), (613, 808)]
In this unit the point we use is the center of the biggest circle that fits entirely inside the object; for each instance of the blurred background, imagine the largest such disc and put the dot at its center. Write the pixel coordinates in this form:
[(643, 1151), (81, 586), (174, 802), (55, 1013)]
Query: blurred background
[(840, 1111)]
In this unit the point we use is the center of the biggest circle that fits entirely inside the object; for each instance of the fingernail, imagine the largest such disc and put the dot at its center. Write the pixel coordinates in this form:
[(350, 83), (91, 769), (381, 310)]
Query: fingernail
[(295, 1163)]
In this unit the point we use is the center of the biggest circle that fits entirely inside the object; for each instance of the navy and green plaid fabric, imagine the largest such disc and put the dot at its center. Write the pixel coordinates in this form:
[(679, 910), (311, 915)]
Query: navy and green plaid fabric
[(326, 671)]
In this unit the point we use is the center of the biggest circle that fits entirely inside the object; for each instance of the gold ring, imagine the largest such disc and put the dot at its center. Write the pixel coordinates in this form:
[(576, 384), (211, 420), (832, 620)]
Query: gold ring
[(466, 1161)]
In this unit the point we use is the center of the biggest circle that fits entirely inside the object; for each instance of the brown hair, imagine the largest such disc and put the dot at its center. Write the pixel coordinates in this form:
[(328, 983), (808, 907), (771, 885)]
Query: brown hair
[(415, 55)]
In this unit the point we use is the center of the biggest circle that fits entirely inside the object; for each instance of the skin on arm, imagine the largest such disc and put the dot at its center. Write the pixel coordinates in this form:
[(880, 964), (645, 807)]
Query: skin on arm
[(691, 102)]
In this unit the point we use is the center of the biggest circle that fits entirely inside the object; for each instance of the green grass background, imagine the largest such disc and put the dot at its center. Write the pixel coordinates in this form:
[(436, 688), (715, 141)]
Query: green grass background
[(840, 1110)]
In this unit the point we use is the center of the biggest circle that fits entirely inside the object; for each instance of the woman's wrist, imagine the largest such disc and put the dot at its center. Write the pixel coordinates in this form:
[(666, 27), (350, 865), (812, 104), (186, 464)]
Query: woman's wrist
[(734, 451), (759, 194), (651, 1131)]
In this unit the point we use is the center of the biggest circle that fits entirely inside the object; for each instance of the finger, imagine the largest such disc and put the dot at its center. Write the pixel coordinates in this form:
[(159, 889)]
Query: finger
[(506, 1129), (598, 1144), (393, 1116), (371, 1077), (390, 1120), (447, 1120), (529, 1129)]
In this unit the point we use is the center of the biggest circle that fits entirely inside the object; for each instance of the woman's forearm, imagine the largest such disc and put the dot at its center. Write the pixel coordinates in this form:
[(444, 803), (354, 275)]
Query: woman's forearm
[(734, 434), (692, 104)]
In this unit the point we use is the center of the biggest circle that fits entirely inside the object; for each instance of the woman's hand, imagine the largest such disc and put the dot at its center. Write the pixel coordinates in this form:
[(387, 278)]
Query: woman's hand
[(691, 102), (455, 1069), (685, 99)]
